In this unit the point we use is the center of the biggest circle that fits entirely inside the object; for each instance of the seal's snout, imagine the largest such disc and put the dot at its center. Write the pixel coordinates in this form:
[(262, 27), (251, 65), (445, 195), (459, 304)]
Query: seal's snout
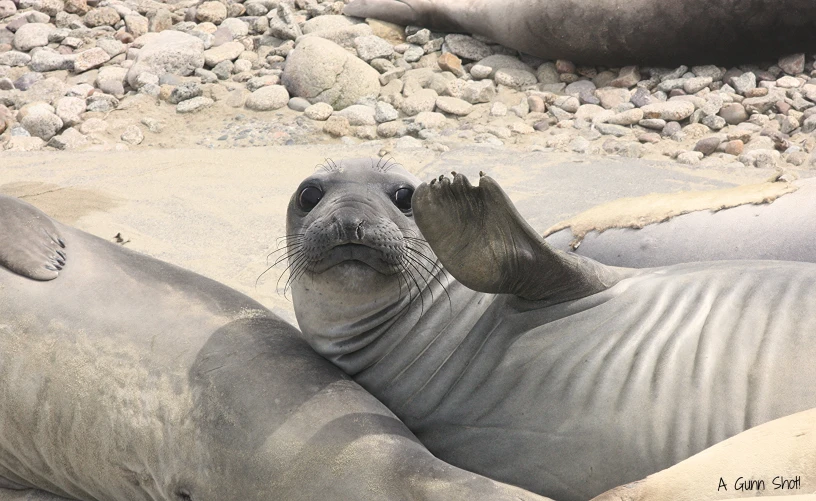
[(351, 229)]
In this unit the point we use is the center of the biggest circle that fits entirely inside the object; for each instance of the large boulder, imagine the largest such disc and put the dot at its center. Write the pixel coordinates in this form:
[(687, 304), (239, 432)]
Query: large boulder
[(168, 52), (322, 71)]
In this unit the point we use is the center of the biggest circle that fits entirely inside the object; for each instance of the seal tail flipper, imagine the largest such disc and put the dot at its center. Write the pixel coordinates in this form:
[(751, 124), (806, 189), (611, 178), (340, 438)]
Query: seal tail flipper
[(30, 244), (482, 240), (393, 11)]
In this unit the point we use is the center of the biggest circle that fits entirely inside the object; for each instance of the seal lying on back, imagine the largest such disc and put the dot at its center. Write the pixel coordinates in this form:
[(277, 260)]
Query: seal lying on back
[(562, 375), (124, 378), (613, 32)]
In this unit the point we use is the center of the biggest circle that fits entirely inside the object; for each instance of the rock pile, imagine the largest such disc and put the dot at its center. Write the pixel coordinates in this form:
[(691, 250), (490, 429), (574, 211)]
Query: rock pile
[(66, 64)]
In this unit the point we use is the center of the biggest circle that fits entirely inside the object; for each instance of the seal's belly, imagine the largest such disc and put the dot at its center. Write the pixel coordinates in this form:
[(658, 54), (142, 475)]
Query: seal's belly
[(654, 370)]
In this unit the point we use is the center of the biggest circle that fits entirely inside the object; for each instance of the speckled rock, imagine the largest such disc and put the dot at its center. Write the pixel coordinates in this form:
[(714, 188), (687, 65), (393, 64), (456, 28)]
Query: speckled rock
[(322, 71), (225, 52), (45, 59), (358, 114), (132, 135), (371, 47), (337, 126), (669, 110), (195, 104), (42, 124), (90, 59), (171, 52), (211, 12), (385, 112), (319, 111), (467, 47), (453, 105), (708, 145), (271, 97), (479, 92), (103, 16), (7, 8), (422, 100), (69, 110), (31, 35)]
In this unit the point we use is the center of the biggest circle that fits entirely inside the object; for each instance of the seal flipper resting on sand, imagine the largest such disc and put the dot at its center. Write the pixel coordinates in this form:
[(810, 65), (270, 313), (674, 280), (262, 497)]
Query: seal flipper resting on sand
[(611, 32), (124, 378), (31, 244), (622, 374)]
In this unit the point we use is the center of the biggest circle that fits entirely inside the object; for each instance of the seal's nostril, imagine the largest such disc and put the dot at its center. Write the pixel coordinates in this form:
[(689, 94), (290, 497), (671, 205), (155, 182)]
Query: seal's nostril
[(359, 232)]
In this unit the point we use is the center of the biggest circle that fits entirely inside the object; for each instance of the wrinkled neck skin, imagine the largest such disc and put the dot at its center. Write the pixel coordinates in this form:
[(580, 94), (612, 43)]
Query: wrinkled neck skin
[(393, 346)]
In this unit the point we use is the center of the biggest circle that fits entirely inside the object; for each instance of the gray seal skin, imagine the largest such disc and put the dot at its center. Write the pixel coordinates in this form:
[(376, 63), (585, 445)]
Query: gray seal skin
[(781, 230), (125, 378), (569, 377), (611, 32)]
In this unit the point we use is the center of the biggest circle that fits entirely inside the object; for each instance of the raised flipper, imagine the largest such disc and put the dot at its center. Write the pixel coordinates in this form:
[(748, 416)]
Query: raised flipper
[(30, 244), (483, 241)]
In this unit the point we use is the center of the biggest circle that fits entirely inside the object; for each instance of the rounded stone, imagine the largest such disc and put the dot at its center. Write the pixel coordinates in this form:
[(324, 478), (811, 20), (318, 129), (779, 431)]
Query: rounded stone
[(103, 16), (419, 101), (385, 112), (171, 52), (271, 97), (480, 72), (733, 113), (132, 135), (184, 92), (195, 104), (42, 124), (337, 126), (708, 145), (298, 104), (514, 77), (629, 117), (224, 52), (690, 157), (211, 12), (371, 47), (322, 71), (319, 111), (453, 105), (467, 47), (31, 35), (669, 110), (430, 120), (69, 109)]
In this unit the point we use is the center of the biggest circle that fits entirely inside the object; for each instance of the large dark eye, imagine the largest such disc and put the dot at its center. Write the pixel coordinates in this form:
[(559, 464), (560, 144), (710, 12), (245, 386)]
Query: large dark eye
[(402, 199), (309, 197)]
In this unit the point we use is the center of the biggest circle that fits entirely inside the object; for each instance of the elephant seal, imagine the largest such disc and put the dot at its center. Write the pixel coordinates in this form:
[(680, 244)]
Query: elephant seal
[(767, 221), (125, 378), (560, 375), (610, 32)]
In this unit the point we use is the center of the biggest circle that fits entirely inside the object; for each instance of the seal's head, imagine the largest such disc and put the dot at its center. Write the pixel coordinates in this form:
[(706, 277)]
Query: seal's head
[(355, 253)]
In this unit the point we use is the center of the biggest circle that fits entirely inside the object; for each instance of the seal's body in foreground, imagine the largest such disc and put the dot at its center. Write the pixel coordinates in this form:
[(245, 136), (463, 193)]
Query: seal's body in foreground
[(125, 378), (562, 376), (612, 32)]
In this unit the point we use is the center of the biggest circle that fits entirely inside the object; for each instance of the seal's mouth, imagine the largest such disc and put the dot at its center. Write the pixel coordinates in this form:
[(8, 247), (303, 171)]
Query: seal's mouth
[(350, 253)]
